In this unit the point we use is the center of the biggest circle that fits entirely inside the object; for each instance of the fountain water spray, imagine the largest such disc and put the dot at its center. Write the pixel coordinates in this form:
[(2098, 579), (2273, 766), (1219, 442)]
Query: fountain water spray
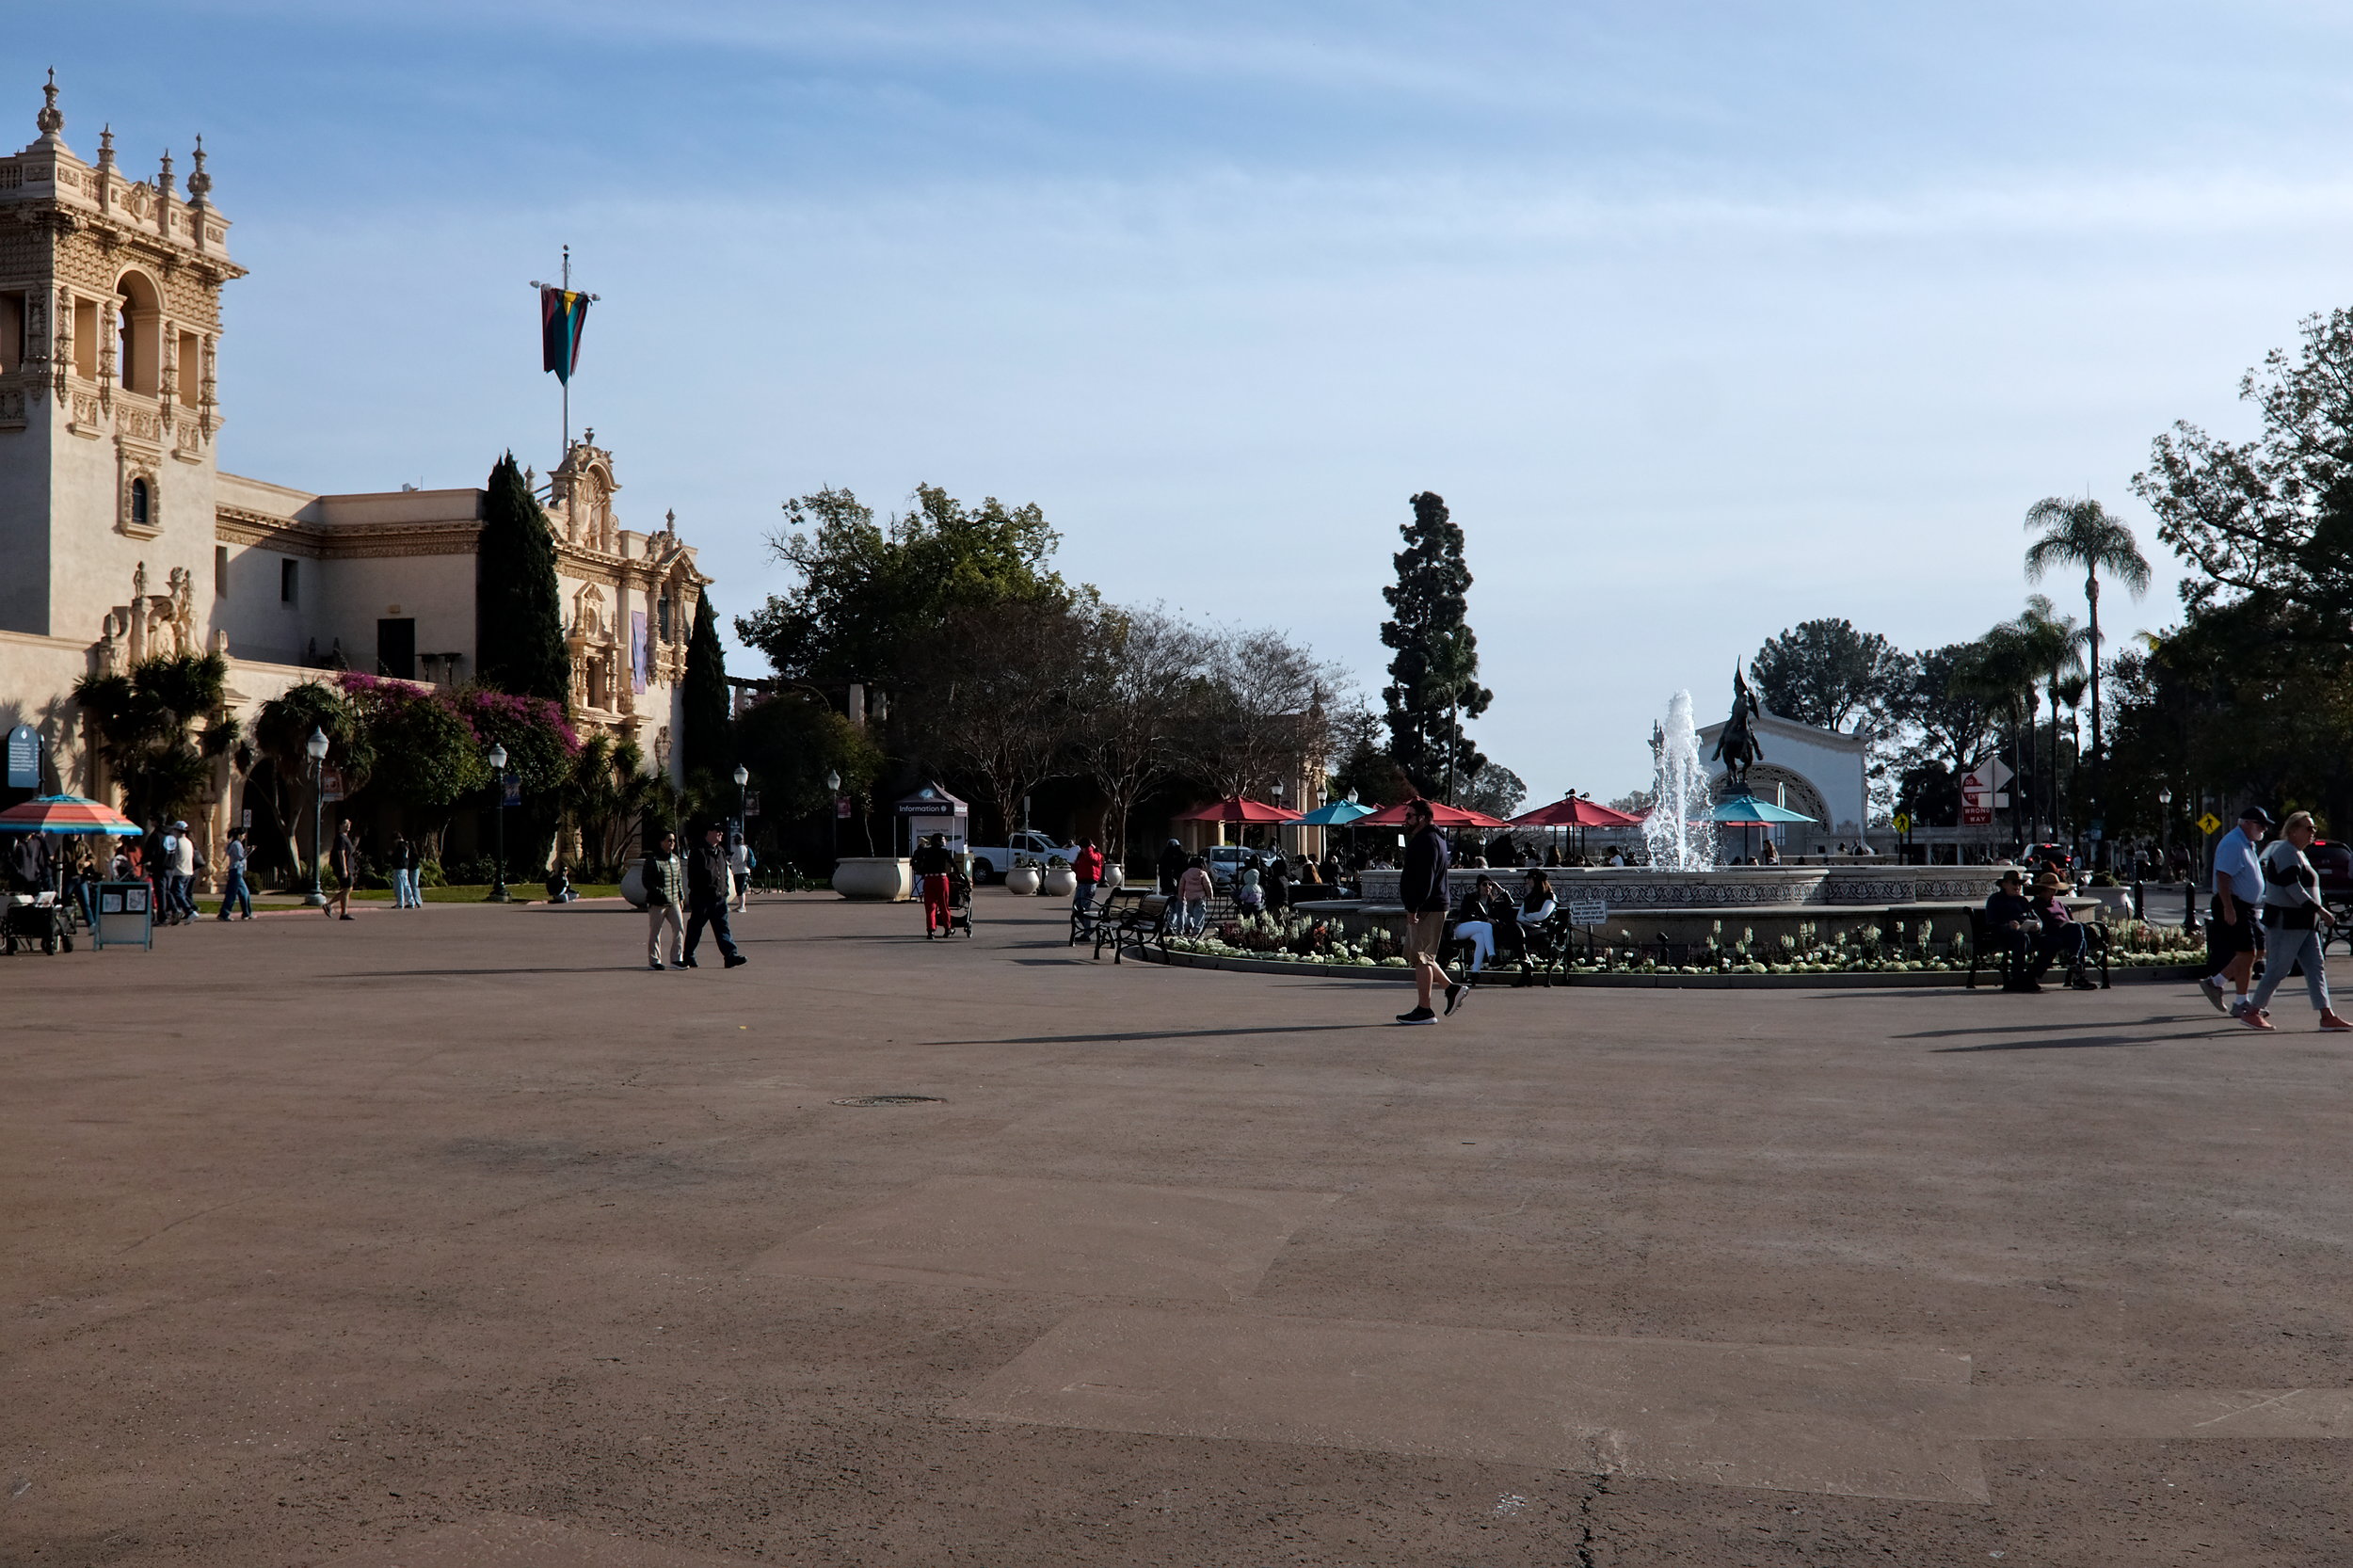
[(1680, 830)]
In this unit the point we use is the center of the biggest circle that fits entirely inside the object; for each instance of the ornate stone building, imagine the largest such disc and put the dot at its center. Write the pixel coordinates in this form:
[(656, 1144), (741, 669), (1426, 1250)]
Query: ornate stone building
[(121, 537)]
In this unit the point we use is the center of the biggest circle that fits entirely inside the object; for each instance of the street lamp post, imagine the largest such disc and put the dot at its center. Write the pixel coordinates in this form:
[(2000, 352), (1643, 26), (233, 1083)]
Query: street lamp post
[(1278, 827), (316, 746), (833, 810), (497, 869)]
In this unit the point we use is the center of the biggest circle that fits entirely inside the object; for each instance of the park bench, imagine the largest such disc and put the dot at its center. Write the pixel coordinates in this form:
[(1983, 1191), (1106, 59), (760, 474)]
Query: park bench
[(1992, 950), (1133, 918)]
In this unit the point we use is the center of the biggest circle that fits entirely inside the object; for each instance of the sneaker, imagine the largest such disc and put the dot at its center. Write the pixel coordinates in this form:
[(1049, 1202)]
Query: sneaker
[(2212, 989), (686, 963), (654, 964), (2256, 1020), (736, 961), (2333, 1024), (2081, 982), (2238, 1007), (1454, 996), (348, 917), (1418, 1016)]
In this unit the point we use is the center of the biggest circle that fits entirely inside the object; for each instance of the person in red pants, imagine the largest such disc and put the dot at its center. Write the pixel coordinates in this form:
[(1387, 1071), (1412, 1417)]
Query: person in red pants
[(930, 864)]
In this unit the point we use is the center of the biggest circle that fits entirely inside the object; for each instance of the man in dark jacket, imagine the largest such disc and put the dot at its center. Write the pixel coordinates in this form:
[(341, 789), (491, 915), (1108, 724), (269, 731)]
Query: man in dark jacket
[(2012, 926), (1422, 888), (706, 889), (1173, 863)]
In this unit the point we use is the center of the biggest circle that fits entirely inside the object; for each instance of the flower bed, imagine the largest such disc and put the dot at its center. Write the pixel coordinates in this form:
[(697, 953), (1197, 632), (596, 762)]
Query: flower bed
[(1307, 943)]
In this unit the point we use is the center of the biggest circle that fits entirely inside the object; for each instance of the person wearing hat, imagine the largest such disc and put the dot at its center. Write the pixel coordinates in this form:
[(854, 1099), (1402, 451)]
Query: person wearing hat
[(2234, 934), (180, 874), (2297, 925), (2061, 932), (707, 898), (931, 865), (2009, 919)]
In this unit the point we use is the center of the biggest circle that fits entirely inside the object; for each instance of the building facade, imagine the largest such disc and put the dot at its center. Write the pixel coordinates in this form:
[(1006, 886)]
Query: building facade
[(121, 537)]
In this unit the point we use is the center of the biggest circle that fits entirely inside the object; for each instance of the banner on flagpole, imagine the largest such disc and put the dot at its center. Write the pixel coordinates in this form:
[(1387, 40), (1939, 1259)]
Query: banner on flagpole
[(562, 313)]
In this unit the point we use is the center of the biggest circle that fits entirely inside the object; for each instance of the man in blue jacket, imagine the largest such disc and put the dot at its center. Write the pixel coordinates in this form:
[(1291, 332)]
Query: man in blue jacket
[(1422, 888)]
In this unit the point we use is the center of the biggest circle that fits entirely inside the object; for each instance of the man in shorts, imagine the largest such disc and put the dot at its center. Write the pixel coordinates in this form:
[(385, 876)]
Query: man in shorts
[(1423, 889), (2233, 929)]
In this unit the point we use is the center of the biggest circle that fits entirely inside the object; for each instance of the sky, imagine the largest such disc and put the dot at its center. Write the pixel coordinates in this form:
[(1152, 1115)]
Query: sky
[(1705, 319)]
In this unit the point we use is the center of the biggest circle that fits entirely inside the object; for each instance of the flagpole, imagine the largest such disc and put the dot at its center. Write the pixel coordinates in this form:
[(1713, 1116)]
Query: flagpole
[(567, 377), (572, 312)]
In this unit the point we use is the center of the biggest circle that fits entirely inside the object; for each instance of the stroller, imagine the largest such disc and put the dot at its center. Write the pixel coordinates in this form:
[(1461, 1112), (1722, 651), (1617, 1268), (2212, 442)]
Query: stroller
[(959, 904), (40, 919)]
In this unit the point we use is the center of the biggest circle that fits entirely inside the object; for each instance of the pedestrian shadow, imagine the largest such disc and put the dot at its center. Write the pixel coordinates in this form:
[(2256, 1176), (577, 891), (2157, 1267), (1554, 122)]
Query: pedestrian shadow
[(2046, 1028), (446, 974), (1157, 1034), (2095, 1042)]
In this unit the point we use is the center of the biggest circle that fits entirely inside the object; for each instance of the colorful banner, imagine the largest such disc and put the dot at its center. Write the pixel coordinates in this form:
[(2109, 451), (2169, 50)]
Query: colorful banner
[(640, 654), (562, 313)]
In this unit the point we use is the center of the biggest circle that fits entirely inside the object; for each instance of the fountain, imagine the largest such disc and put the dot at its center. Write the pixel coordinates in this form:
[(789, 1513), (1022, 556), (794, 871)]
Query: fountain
[(1679, 831)]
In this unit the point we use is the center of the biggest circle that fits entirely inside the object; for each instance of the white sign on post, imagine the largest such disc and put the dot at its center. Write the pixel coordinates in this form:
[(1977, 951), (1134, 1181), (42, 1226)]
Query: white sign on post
[(1588, 911)]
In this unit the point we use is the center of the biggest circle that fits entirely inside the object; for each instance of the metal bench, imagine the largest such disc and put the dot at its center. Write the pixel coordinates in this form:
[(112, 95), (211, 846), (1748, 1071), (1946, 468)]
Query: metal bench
[(1133, 919)]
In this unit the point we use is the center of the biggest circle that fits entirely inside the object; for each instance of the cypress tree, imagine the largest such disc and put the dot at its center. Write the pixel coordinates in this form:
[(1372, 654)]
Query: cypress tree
[(706, 739), (518, 610), (1432, 689)]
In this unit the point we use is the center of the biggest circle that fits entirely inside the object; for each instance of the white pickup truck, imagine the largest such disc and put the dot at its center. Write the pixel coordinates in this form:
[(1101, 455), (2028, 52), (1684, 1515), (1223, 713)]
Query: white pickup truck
[(1027, 849)]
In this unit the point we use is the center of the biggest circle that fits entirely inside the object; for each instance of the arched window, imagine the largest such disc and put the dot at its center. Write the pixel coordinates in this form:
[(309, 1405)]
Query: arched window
[(141, 503), (140, 310)]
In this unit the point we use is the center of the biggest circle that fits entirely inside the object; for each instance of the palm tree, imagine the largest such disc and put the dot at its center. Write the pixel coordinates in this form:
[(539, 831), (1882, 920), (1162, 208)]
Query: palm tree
[(2000, 670), (2052, 640), (2083, 534)]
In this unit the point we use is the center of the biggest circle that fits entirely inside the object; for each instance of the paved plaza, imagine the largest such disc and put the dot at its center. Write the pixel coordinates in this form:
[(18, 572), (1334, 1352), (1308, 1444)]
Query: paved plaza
[(455, 1238)]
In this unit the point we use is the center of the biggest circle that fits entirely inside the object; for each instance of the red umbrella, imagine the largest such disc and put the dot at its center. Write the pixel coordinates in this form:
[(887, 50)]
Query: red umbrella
[(1440, 813), (1572, 811), (67, 814), (1236, 808)]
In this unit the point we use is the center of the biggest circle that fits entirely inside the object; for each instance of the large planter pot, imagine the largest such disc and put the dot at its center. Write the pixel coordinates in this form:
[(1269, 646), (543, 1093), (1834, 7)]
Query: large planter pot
[(1022, 880), (874, 879), (1060, 882), (1114, 879), (633, 883)]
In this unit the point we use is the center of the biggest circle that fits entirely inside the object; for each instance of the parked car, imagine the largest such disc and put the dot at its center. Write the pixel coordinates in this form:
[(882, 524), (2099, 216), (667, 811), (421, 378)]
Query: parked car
[(1225, 860), (990, 862)]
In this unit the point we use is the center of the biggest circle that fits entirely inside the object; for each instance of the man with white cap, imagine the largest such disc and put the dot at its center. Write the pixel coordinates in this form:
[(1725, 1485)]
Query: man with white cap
[(179, 873)]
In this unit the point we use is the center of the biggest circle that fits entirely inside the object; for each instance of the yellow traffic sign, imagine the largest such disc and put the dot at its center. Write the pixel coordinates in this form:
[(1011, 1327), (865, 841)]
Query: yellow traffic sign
[(2208, 823), (1902, 822)]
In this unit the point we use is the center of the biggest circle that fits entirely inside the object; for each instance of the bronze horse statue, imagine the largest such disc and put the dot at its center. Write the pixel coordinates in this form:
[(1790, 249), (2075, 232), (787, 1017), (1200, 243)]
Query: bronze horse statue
[(1737, 746)]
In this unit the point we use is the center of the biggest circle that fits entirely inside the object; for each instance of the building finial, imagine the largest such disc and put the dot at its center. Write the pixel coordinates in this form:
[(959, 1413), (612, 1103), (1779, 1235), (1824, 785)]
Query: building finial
[(163, 177), (107, 148), (51, 119), (200, 182)]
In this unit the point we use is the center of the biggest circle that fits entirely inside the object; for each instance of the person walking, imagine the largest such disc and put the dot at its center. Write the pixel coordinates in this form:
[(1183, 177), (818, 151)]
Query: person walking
[(405, 893), (740, 868), (932, 866), (345, 863), (179, 873), (2234, 934), (234, 888), (1174, 861), (1087, 866), (707, 899), (1193, 891), (1422, 887), (2297, 925), (665, 879)]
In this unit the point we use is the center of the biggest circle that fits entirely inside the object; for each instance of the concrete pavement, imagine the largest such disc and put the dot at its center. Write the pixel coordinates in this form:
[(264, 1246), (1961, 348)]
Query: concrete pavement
[(456, 1237)]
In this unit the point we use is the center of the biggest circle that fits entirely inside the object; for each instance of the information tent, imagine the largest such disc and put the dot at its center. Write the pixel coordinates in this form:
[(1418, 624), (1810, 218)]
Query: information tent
[(933, 809), (126, 915)]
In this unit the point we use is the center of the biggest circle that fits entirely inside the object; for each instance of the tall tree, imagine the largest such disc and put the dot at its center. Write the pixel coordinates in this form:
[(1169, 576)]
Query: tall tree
[(1137, 668), (706, 739), (2083, 534), (2002, 670), (282, 733), (870, 594), (997, 700), (1433, 680), (1260, 713), (1824, 672), (2058, 642), (518, 610)]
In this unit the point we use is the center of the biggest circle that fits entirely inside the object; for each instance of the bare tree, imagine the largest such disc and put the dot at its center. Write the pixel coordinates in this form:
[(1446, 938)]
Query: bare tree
[(1261, 709), (999, 688), (1140, 670)]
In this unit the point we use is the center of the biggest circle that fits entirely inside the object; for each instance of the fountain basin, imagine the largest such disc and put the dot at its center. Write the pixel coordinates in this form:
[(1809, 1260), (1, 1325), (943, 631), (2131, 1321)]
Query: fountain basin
[(1733, 889)]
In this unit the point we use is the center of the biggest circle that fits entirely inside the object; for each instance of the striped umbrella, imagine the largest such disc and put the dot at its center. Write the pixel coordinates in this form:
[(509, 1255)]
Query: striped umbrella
[(66, 814)]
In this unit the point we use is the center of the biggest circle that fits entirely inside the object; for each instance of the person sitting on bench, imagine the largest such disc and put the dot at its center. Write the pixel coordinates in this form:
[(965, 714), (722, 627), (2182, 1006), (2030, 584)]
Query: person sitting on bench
[(1476, 922), (2011, 922), (2060, 934)]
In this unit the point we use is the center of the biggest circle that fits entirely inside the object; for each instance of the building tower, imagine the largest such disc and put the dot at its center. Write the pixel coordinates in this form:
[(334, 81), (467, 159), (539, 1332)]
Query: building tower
[(110, 342)]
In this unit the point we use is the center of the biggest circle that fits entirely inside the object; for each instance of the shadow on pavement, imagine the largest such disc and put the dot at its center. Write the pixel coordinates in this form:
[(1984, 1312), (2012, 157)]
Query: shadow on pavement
[(1158, 1034), (2045, 1028)]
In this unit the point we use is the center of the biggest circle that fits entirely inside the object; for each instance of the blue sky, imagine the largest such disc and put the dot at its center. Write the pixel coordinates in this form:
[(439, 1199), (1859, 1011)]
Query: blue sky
[(1705, 319)]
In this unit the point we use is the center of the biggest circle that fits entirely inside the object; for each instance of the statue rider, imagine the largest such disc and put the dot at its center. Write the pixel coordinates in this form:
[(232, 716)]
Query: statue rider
[(1736, 747)]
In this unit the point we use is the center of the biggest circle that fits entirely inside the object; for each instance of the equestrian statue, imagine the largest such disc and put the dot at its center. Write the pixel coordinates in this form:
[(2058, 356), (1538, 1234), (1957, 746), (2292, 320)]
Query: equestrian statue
[(1737, 746)]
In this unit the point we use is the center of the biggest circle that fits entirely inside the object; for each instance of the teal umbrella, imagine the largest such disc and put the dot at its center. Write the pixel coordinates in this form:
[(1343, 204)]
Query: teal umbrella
[(1339, 813), (1747, 810)]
